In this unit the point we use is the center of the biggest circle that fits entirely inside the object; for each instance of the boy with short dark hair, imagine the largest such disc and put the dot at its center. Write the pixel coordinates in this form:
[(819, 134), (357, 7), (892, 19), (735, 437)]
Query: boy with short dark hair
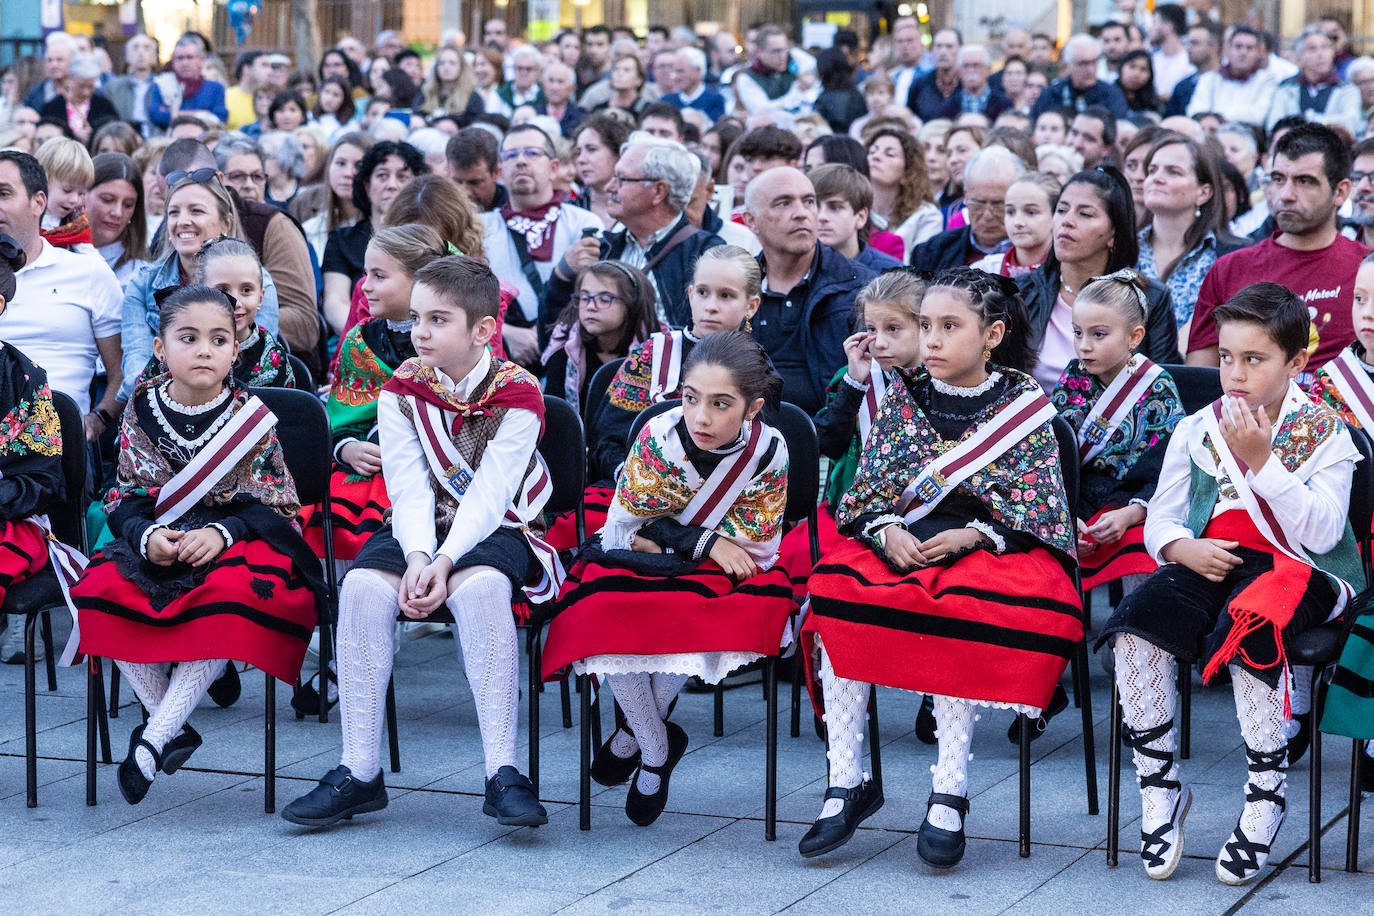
[(845, 199), (458, 431), (1249, 524)]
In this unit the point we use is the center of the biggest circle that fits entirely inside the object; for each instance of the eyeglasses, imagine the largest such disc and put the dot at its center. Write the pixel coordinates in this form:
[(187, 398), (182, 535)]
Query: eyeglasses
[(199, 176), (1357, 177), (527, 152), (974, 204), (616, 176), (241, 177), (599, 300)]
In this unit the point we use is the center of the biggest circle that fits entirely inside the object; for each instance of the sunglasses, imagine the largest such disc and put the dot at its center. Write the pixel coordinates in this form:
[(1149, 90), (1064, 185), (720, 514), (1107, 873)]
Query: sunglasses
[(199, 176)]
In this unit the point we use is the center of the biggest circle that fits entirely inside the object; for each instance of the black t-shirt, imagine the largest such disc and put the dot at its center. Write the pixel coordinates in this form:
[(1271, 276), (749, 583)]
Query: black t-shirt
[(345, 250)]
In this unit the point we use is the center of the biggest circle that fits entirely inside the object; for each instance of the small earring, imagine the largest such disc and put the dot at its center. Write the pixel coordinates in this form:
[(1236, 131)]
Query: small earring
[(987, 355), (748, 326), (1197, 212)]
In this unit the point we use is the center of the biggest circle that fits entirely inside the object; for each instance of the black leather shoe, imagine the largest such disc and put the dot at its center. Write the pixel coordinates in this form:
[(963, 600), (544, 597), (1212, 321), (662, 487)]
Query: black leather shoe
[(925, 721), (226, 689), (1299, 743), (610, 769), (305, 699), (177, 751), (1058, 703), (338, 797), (937, 847), (830, 833), (644, 809), (133, 785), (511, 800)]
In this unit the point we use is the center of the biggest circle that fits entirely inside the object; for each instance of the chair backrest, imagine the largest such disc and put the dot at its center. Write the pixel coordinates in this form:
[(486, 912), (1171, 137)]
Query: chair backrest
[(1068, 460), (596, 390), (304, 380), (565, 453), (1362, 495), (649, 413), (68, 517), (303, 430), (1198, 386)]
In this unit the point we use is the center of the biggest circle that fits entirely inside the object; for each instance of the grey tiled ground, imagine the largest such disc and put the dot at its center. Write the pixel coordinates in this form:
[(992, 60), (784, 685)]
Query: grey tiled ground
[(201, 840)]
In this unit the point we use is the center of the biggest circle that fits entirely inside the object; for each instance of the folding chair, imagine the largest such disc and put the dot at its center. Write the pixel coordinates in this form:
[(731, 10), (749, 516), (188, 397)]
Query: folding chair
[(565, 454), (596, 391), (304, 380)]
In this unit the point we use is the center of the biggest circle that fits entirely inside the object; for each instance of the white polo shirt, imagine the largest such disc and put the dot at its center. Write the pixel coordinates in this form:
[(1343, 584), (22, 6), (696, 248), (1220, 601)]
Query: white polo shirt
[(64, 303)]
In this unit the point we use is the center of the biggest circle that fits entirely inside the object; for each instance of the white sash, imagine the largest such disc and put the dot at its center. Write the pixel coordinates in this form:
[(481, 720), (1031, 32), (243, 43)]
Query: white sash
[(1269, 522), (1114, 405), (667, 365), (68, 564), (1353, 382), (873, 400), (217, 458), (710, 503), (448, 465), (989, 442)]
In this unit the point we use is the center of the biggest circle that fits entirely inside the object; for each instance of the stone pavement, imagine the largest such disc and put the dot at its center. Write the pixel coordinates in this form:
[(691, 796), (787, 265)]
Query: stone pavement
[(200, 839)]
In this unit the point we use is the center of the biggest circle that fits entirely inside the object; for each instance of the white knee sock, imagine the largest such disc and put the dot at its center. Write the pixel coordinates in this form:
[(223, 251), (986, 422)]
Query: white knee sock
[(480, 602), (1260, 711), (635, 694), (846, 705), (187, 685), (1300, 693), (1147, 678), (149, 682), (954, 728), (367, 614), (665, 688)]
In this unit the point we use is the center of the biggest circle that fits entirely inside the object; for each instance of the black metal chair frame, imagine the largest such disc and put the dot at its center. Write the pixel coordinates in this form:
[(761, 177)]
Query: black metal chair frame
[(564, 451), (305, 381), (596, 391)]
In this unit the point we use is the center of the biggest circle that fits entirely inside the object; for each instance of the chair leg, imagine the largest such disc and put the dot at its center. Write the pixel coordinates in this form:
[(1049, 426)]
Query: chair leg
[(93, 704), (1089, 735), (30, 716), (770, 796), (797, 672), (536, 682), (565, 698), (1114, 778), (103, 714), (875, 745), (114, 692), (1352, 827), (326, 653), (719, 729), (269, 751), (1314, 787), (1025, 849), (50, 661), (1185, 708), (584, 771), (393, 739)]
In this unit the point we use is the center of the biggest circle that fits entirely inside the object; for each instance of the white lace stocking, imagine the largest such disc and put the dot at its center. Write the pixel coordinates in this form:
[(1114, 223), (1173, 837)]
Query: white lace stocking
[(480, 601), (1300, 692), (954, 728), (187, 685), (1147, 678), (1263, 727), (367, 614), (846, 705), (635, 694), (149, 682), (665, 689)]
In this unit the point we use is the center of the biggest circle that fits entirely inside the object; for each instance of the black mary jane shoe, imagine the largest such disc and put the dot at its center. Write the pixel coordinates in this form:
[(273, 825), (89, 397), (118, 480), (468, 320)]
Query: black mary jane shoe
[(830, 833), (937, 847), (305, 699), (1058, 703), (925, 721), (644, 809), (337, 797), (179, 749), (609, 768), (226, 689), (1300, 742), (512, 801), (133, 785)]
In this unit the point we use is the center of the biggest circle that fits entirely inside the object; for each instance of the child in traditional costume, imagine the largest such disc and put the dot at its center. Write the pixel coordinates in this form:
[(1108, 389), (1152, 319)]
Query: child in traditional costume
[(1346, 384), (724, 295), (371, 351), (207, 564), (1250, 516), (458, 434), (955, 578), (681, 581)]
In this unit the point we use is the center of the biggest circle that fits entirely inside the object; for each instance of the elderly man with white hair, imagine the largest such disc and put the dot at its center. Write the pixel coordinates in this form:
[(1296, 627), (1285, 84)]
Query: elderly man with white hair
[(1317, 92), (976, 94), (80, 106), (559, 84), (986, 178), (1081, 88), (692, 91), (58, 50), (527, 66), (650, 189)]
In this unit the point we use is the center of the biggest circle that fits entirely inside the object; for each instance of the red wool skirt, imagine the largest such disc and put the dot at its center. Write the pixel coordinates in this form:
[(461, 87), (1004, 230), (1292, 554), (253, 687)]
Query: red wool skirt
[(986, 627), (358, 512), (1110, 562), (795, 553), (607, 610), (254, 606), (596, 502), (23, 552)]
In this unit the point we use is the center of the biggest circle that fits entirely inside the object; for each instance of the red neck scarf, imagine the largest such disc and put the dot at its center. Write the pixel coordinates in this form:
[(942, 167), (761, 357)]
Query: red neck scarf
[(536, 225), (73, 232)]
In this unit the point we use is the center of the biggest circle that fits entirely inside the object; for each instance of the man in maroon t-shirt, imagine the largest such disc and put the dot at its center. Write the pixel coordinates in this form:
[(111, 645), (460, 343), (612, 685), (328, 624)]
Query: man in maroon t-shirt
[(1307, 185)]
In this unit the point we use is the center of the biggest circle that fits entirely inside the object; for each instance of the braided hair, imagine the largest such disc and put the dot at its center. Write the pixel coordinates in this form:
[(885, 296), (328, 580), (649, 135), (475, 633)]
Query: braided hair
[(994, 298)]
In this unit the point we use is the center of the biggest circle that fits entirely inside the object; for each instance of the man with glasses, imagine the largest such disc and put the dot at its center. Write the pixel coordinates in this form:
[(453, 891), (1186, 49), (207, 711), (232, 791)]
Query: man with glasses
[(1242, 89), (986, 179), (976, 94), (1204, 53), (185, 88), (649, 191), (527, 64), (767, 77), (1361, 222), (1081, 88), (530, 233)]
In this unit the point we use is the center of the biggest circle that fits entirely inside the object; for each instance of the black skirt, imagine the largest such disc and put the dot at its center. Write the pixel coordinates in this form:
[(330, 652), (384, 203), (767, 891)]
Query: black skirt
[(505, 550)]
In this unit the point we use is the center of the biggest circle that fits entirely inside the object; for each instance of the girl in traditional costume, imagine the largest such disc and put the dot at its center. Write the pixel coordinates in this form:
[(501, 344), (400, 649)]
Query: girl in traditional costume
[(207, 564), (681, 581), (956, 575)]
